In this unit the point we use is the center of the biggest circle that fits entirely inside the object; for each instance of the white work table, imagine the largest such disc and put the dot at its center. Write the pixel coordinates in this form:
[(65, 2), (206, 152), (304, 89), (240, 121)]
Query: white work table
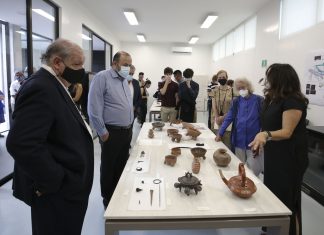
[(154, 109), (213, 207)]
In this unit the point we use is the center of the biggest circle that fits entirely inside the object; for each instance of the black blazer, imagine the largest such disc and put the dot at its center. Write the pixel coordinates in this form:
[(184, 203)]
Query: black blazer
[(49, 141), (137, 95), (188, 96)]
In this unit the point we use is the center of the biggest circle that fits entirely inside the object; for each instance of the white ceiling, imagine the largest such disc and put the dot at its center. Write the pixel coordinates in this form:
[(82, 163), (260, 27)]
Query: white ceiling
[(172, 21)]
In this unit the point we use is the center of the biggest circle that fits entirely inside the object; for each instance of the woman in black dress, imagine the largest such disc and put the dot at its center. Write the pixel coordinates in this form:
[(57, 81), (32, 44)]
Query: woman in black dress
[(144, 94), (283, 138)]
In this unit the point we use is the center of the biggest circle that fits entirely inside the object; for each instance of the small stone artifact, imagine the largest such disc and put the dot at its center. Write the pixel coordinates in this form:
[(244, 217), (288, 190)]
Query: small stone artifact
[(198, 152), (221, 157), (151, 134), (188, 182), (158, 125), (195, 165), (240, 185), (176, 151), (194, 133), (172, 131), (176, 137), (170, 160)]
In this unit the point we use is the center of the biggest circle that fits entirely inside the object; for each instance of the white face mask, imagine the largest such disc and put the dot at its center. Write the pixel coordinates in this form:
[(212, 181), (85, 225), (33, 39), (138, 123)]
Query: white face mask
[(129, 78), (188, 79), (244, 92), (124, 71)]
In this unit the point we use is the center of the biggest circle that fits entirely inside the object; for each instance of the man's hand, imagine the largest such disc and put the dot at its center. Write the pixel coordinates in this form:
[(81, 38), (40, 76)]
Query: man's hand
[(168, 80), (104, 137)]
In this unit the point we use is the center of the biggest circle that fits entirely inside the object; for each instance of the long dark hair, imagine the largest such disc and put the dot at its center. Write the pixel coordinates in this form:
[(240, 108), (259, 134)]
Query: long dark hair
[(282, 82)]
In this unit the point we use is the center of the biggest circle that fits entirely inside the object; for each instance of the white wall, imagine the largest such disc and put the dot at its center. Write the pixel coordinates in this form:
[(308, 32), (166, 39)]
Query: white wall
[(73, 15), (292, 49), (152, 58)]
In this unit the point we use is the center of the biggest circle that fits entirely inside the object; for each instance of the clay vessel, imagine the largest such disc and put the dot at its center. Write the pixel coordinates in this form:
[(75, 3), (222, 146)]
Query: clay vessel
[(187, 125), (198, 152), (221, 157), (172, 131), (195, 165), (170, 160), (158, 125), (188, 182), (240, 185), (194, 133), (151, 134), (176, 151), (177, 122), (176, 137)]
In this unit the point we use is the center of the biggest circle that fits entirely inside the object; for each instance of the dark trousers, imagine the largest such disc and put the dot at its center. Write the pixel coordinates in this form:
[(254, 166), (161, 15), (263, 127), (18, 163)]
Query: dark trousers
[(187, 115), (209, 107), (114, 155), (143, 112), (53, 215)]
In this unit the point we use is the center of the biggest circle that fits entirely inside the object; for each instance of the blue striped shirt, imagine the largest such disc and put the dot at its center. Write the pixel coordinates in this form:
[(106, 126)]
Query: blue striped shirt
[(110, 101)]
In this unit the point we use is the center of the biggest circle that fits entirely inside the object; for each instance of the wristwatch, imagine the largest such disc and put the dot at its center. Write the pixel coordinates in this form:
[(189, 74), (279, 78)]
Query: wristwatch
[(269, 136)]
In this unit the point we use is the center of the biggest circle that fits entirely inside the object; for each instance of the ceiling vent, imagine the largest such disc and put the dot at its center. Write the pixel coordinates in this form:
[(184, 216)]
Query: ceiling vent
[(185, 50)]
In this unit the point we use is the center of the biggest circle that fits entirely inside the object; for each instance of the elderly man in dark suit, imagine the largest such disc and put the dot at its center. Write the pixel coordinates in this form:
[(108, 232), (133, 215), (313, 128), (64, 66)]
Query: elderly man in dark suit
[(52, 144)]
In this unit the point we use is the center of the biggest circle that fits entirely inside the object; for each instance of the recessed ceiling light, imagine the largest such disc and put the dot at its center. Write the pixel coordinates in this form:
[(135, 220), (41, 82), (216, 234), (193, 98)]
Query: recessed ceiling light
[(44, 14), (141, 38), (85, 37), (193, 39), (208, 21), (131, 17)]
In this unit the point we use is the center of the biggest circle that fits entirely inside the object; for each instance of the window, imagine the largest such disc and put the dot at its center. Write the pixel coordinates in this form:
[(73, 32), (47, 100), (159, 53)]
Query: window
[(230, 44), (297, 15), (239, 39), (250, 33), (242, 38)]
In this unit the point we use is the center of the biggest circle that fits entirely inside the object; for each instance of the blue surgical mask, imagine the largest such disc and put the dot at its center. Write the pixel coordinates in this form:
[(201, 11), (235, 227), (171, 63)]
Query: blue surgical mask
[(129, 78), (124, 71)]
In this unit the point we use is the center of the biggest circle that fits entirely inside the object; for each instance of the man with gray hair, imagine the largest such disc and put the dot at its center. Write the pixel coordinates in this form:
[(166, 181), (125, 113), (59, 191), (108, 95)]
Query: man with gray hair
[(110, 109), (52, 144), (244, 114)]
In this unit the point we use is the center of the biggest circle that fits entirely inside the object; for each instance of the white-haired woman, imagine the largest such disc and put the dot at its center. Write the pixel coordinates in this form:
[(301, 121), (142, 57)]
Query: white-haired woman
[(245, 115)]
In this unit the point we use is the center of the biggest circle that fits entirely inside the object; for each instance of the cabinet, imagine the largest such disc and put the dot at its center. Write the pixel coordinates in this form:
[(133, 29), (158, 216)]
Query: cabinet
[(313, 182)]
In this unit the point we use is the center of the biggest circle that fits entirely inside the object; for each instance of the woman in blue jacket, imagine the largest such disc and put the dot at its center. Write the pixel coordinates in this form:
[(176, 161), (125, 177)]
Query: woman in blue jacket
[(244, 115)]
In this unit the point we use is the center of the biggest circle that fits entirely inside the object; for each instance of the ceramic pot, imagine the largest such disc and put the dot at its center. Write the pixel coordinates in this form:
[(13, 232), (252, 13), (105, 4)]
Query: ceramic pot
[(151, 134), (194, 133), (172, 131), (221, 157), (195, 165), (176, 137), (198, 152), (176, 151), (240, 185), (170, 160)]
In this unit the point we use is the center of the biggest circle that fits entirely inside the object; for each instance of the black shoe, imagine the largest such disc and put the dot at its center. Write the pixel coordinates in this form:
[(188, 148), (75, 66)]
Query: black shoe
[(2, 136)]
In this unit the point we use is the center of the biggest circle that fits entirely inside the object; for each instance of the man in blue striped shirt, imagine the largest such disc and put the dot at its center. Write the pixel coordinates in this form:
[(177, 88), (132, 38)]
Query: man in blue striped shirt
[(110, 109)]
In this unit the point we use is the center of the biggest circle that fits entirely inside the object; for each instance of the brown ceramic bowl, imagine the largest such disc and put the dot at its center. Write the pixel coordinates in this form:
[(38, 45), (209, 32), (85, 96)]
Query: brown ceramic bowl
[(187, 125), (194, 133), (198, 152), (176, 151), (158, 125), (172, 131), (170, 160), (176, 137)]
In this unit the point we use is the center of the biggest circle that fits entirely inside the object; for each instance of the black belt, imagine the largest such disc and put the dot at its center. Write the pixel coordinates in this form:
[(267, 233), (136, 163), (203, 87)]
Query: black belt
[(110, 127)]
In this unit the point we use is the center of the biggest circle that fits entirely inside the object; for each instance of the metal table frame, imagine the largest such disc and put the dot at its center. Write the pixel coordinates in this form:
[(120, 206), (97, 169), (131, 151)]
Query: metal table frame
[(113, 226)]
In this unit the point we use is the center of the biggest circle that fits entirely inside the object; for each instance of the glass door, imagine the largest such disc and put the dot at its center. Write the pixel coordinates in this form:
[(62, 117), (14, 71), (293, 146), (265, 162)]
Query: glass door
[(4, 112)]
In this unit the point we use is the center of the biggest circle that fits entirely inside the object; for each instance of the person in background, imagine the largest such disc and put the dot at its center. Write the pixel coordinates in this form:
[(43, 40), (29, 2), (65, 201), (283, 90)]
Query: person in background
[(244, 115), (141, 78), (145, 95), (135, 91), (230, 82), (14, 87), (2, 118), (210, 92), (169, 97), (188, 92), (284, 139), (178, 76), (52, 145), (221, 103), (110, 110)]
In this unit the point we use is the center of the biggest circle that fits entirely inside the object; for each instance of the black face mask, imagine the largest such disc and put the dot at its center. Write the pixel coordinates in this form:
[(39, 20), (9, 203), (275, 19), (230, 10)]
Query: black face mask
[(73, 75), (222, 81)]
